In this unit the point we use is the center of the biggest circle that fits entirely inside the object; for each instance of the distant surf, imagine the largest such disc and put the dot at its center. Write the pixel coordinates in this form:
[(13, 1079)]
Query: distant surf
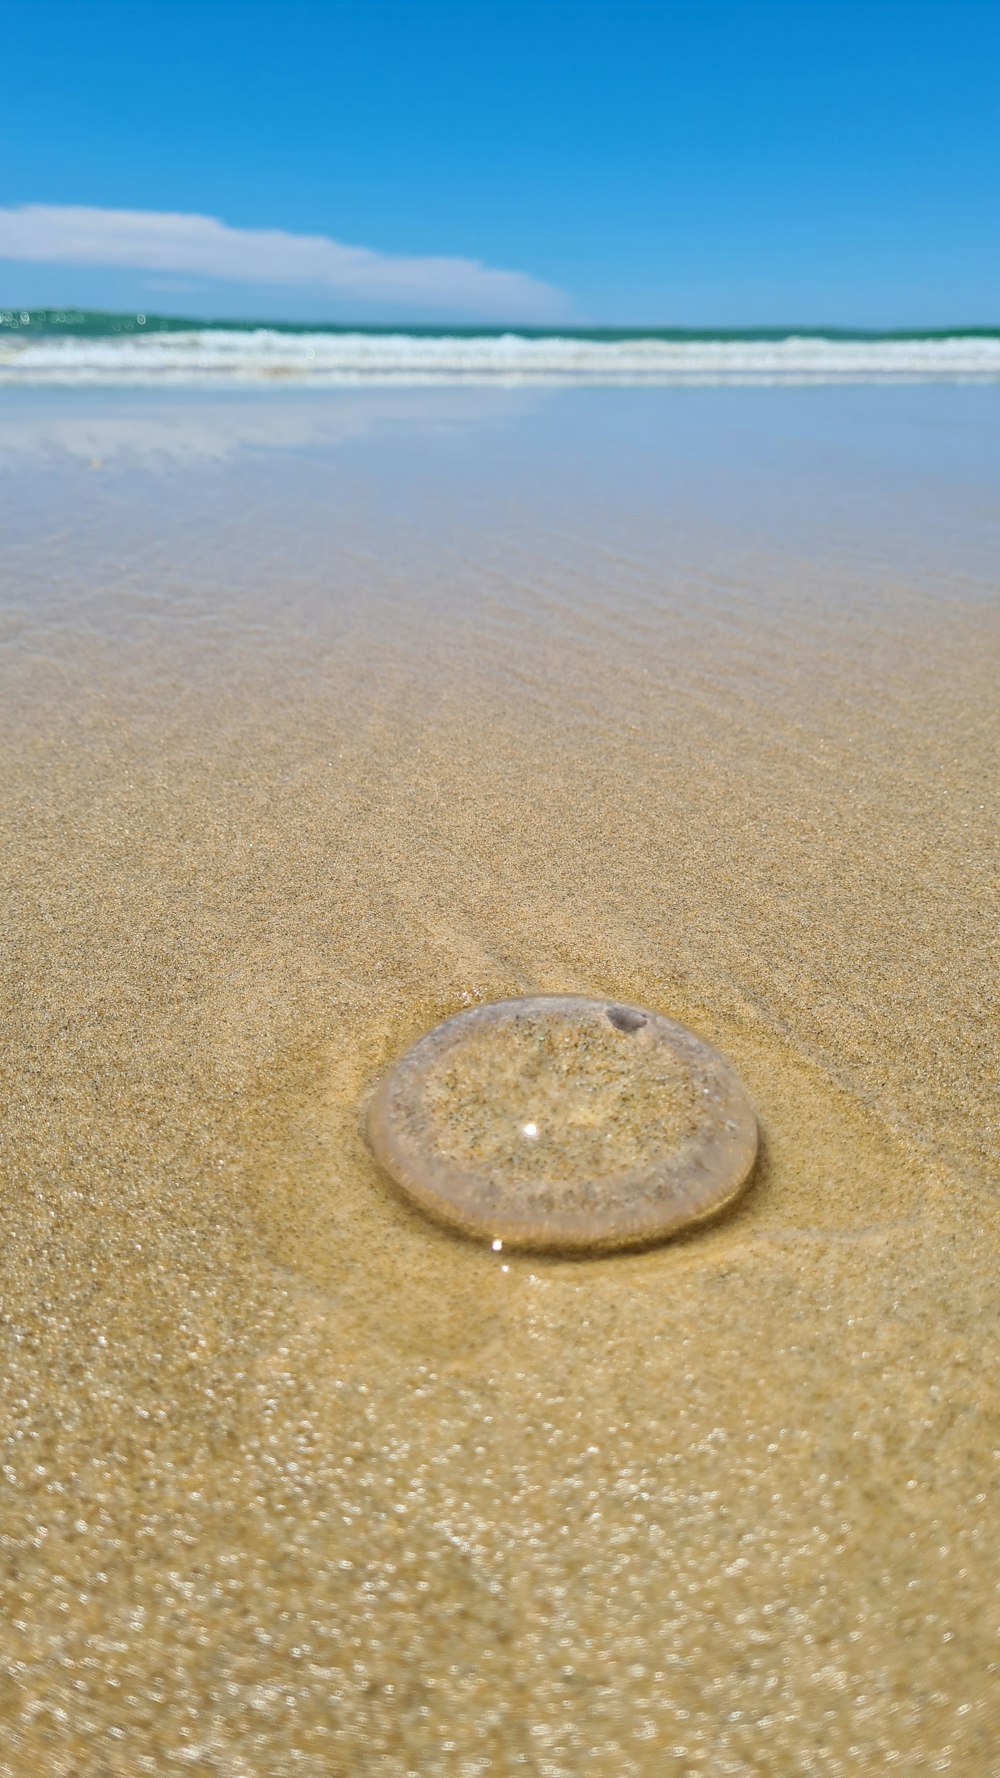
[(75, 346)]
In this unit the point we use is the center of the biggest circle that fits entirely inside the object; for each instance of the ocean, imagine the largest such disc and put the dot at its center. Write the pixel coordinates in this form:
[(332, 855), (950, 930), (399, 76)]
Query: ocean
[(70, 346)]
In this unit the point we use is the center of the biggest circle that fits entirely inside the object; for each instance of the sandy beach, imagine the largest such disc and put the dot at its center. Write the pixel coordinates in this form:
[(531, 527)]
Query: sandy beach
[(324, 715)]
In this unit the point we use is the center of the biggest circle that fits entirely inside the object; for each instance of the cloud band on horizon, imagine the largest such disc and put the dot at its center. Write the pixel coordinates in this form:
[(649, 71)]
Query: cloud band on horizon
[(165, 241)]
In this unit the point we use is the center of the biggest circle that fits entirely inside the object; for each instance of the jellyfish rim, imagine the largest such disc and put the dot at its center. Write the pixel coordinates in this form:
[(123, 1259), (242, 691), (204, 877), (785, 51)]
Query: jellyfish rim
[(642, 1206)]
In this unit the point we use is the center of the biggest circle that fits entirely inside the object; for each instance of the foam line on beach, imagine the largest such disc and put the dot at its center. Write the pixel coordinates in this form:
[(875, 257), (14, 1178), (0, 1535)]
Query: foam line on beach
[(261, 355)]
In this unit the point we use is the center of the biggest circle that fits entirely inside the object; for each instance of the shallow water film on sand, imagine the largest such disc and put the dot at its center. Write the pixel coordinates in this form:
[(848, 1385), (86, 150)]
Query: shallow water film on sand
[(325, 716)]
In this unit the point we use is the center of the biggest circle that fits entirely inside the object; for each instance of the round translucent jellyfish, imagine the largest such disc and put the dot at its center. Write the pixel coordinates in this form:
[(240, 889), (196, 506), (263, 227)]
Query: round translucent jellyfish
[(564, 1123)]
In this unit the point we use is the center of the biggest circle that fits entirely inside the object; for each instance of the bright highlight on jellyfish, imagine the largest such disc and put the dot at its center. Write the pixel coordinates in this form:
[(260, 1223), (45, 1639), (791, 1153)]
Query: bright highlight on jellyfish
[(564, 1123)]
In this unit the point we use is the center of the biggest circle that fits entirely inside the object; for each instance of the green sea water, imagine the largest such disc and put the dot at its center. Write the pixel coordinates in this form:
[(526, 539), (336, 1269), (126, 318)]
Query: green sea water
[(106, 324)]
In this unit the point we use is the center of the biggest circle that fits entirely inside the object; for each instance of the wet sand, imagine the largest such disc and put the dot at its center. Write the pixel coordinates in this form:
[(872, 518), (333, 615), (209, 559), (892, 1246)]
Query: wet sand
[(686, 698)]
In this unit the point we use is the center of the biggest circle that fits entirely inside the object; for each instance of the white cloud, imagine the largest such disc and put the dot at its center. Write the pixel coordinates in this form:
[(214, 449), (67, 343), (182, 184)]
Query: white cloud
[(166, 242)]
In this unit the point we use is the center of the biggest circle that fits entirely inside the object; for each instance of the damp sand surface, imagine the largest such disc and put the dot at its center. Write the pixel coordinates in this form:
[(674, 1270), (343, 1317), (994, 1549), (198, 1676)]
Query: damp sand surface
[(323, 718)]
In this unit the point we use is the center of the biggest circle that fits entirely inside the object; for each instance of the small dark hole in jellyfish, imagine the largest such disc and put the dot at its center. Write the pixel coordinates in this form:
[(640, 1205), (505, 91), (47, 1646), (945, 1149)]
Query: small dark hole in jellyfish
[(625, 1020)]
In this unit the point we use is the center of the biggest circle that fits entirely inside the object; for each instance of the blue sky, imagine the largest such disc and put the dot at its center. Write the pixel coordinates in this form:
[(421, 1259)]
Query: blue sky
[(719, 164)]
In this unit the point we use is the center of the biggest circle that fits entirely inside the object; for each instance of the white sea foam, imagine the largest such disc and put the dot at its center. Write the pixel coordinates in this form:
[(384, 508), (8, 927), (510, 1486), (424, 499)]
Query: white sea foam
[(264, 355)]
